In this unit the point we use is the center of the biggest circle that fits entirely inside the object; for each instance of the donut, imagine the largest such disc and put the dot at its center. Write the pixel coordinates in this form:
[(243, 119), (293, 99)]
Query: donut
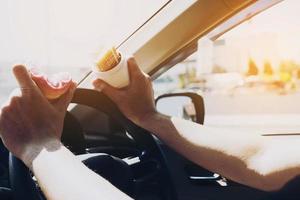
[(52, 86)]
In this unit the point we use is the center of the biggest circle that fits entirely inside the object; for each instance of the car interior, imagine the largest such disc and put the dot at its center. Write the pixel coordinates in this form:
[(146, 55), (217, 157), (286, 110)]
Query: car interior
[(128, 156)]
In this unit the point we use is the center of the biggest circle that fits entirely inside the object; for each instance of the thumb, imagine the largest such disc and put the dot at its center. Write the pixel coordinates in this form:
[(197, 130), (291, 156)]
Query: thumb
[(63, 102), (24, 79), (107, 89)]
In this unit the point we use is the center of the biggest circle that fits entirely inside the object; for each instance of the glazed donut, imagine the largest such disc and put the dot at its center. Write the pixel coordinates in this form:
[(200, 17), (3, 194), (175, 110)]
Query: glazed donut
[(52, 86)]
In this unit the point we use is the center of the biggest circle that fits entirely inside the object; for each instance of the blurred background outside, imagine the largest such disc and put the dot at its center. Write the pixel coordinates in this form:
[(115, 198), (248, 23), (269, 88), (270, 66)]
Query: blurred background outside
[(67, 35), (250, 76)]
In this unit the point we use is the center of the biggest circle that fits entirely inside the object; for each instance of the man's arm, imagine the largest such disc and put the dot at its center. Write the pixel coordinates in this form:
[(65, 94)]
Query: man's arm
[(31, 128), (61, 176), (250, 159)]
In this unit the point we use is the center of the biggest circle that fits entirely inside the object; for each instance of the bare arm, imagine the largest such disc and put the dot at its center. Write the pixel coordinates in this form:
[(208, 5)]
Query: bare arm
[(250, 159), (31, 128), (69, 178)]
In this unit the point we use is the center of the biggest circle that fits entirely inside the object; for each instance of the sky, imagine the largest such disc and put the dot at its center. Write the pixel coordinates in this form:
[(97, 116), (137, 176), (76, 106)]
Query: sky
[(64, 35), (273, 35), (67, 32)]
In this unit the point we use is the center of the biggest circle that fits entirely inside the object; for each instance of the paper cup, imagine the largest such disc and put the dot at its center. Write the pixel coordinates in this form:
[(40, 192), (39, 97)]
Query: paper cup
[(117, 77)]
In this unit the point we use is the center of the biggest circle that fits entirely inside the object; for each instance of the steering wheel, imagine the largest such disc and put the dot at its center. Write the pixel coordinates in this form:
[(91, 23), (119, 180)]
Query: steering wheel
[(24, 187)]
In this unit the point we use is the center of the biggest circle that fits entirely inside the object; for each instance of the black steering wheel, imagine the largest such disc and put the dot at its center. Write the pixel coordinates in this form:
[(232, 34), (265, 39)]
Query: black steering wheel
[(24, 187)]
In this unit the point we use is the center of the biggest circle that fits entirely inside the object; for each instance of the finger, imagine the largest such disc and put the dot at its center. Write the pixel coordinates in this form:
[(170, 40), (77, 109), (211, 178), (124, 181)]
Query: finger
[(15, 93), (107, 89), (23, 77), (12, 111), (4, 111), (4, 122), (133, 68), (63, 102)]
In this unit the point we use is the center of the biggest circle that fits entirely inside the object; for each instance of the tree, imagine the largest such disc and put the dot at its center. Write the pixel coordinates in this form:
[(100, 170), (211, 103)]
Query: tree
[(252, 68), (268, 70)]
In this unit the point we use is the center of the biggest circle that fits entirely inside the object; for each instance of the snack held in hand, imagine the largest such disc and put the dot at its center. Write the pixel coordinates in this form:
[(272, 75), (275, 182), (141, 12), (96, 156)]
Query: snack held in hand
[(110, 60), (112, 68), (52, 86)]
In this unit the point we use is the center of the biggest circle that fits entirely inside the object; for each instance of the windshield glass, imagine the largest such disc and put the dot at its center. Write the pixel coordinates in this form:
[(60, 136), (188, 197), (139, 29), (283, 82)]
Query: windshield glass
[(250, 76), (64, 35)]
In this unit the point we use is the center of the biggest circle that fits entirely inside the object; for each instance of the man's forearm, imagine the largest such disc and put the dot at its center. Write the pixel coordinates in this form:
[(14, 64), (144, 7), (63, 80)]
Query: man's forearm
[(224, 152), (63, 177)]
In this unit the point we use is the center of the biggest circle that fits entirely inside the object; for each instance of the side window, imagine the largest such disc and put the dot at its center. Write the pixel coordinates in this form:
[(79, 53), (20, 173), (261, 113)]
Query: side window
[(250, 76)]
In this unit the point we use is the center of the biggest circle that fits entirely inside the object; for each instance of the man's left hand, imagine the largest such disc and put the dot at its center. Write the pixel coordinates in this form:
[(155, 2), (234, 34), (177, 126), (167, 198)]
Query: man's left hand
[(29, 119)]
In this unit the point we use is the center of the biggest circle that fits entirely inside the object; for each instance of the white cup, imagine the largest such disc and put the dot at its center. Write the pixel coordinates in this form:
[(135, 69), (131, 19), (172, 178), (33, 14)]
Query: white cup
[(117, 77)]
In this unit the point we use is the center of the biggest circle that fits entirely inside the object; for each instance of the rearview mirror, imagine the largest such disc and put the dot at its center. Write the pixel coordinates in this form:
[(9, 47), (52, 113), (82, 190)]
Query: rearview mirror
[(186, 105)]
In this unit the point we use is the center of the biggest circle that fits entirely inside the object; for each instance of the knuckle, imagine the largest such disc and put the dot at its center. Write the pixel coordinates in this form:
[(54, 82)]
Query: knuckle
[(25, 90), (5, 110), (14, 100)]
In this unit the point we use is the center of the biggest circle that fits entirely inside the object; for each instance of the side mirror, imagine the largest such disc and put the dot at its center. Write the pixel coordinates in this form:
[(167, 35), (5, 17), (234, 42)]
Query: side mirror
[(187, 105)]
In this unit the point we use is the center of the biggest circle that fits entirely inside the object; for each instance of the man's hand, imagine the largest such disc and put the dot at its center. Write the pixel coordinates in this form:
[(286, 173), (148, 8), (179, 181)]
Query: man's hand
[(28, 120), (135, 101), (31, 128)]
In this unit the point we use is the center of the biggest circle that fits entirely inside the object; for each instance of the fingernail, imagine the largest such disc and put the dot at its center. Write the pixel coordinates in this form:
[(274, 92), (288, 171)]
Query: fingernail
[(130, 59)]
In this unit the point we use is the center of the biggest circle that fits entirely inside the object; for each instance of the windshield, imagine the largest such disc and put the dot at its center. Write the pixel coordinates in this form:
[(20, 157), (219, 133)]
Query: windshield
[(250, 76), (64, 35)]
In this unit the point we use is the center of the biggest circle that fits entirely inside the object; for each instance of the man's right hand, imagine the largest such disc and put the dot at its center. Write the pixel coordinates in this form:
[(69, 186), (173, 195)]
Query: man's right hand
[(136, 101)]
